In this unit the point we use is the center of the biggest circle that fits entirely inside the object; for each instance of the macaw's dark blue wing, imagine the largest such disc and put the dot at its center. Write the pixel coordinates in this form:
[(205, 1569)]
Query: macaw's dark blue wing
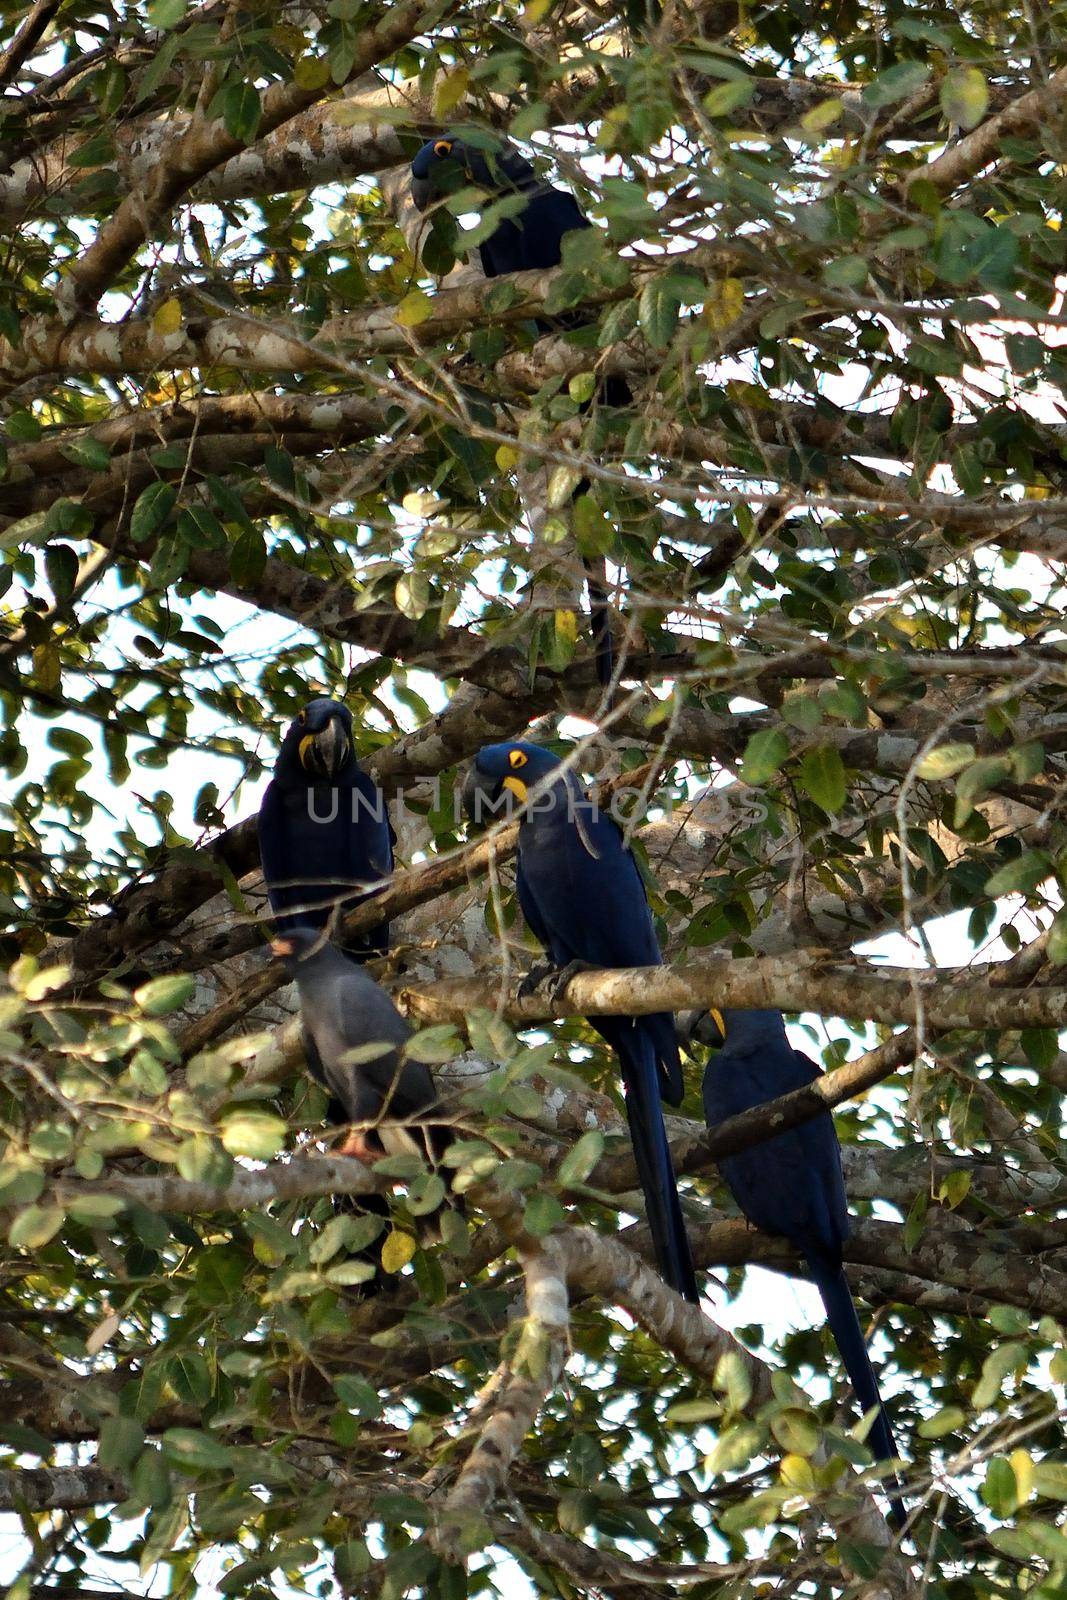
[(583, 897), (532, 241), (318, 845), (792, 1185)]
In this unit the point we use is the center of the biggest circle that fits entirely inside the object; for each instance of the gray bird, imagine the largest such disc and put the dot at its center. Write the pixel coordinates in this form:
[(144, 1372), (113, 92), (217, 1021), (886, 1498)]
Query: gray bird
[(391, 1102)]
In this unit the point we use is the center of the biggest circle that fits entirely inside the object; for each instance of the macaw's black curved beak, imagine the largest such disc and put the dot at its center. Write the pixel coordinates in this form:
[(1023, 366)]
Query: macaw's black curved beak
[(484, 799), (421, 193), (326, 752), (701, 1027)]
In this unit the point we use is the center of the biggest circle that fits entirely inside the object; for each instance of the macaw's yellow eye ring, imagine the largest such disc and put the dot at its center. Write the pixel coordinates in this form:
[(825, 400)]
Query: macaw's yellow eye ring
[(443, 147), (516, 758), (301, 716)]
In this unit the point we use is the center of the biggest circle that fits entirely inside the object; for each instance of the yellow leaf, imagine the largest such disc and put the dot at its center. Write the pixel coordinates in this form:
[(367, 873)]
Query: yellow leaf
[(286, 37), (167, 318), (397, 1251), (415, 307), (449, 91), (313, 72), (1022, 1464), (567, 626), (46, 667), (724, 303), (507, 457), (964, 97), (535, 11), (796, 1472), (822, 116)]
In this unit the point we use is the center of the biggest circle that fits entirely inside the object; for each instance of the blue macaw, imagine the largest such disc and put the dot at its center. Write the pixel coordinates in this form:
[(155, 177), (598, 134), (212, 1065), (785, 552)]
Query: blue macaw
[(325, 840), (582, 896), (531, 240), (792, 1184)]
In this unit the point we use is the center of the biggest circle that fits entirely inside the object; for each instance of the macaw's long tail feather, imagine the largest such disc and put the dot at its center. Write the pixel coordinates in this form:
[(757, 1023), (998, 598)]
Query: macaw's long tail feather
[(600, 621), (656, 1172), (848, 1335)]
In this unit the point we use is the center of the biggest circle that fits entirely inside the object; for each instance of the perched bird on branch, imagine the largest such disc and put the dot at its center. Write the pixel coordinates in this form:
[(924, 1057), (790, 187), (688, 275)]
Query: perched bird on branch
[(792, 1183), (325, 840), (582, 896), (358, 1041), (530, 237)]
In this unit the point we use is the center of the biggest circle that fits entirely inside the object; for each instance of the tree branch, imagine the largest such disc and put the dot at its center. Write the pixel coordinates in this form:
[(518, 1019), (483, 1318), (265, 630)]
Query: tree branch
[(935, 997)]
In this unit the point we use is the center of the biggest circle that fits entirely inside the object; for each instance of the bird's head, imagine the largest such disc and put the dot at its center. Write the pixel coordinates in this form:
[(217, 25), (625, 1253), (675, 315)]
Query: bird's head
[(299, 944), (501, 777), (319, 739), (741, 1029), (447, 163)]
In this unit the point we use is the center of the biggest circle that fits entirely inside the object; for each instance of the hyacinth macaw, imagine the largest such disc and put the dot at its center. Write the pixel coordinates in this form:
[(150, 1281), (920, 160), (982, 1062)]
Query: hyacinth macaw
[(582, 896), (792, 1184)]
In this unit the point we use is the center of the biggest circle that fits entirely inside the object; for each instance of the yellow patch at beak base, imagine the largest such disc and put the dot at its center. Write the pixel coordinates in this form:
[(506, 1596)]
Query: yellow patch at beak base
[(718, 1019), (517, 787), (305, 744)]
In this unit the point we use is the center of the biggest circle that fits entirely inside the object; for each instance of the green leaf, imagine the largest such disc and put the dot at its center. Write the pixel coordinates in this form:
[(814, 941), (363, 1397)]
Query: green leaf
[(196, 1451), (1050, 1479), (996, 1368), (964, 97), (190, 1377), (1021, 875), (801, 711), (162, 995), (121, 1440), (945, 761), (948, 1420), (895, 84), (593, 528), (154, 505), (201, 1160), (33, 1227), (356, 1394), (822, 777), (693, 1411), (251, 1131), (729, 97), (735, 1448), (764, 754), (796, 1431), (166, 13), (999, 1491), (241, 111), (248, 557), (434, 1045), (579, 1162), (543, 1213), (658, 311), (1057, 940)]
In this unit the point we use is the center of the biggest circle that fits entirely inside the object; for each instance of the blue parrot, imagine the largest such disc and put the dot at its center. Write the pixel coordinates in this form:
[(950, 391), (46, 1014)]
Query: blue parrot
[(582, 896), (325, 841), (792, 1184), (531, 240)]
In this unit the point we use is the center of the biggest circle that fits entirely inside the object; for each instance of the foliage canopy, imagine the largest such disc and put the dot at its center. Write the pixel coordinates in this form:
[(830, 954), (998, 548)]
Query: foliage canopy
[(252, 443)]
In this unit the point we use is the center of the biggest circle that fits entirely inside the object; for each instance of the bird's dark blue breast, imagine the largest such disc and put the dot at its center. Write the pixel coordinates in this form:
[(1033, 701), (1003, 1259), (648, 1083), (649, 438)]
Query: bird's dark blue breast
[(318, 841)]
